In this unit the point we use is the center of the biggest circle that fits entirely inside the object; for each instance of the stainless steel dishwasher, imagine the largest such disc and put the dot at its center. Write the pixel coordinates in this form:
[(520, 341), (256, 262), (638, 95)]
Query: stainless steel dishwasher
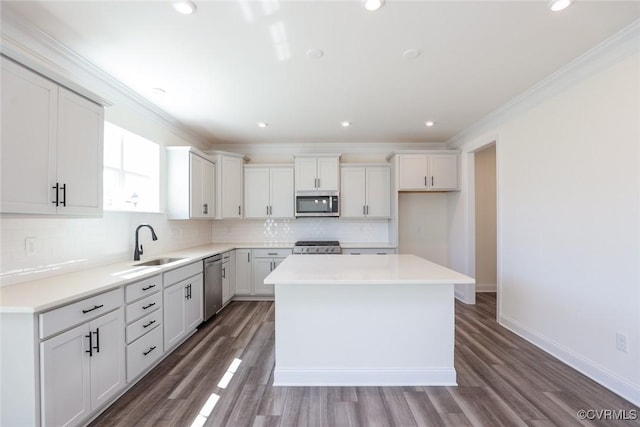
[(212, 286)]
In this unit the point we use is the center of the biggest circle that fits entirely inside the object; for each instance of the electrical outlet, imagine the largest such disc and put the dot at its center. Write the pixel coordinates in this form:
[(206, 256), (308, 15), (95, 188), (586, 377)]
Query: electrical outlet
[(29, 246), (621, 341)]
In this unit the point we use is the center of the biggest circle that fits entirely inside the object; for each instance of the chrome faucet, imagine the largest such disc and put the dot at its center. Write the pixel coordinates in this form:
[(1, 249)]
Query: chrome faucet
[(138, 251)]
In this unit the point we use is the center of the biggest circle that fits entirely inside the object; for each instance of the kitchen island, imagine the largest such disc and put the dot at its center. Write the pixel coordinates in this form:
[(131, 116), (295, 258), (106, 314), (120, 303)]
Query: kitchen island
[(365, 320)]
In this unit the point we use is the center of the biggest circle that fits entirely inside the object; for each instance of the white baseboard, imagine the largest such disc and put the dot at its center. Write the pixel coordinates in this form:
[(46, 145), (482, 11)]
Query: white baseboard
[(597, 373), (465, 293), (364, 377), (486, 287)]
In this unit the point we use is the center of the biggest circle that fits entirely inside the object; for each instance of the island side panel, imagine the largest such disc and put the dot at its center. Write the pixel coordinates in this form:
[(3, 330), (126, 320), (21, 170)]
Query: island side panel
[(364, 334)]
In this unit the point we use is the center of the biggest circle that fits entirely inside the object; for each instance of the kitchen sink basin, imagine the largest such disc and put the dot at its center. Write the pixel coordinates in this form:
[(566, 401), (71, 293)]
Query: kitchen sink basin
[(158, 261)]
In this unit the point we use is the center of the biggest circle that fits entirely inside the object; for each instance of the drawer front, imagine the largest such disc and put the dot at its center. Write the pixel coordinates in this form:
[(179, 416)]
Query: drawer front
[(174, 276), (271, 253), (57, 320), (144, 325), (142, 353), (144, 307), (369, 251), (143, 288)]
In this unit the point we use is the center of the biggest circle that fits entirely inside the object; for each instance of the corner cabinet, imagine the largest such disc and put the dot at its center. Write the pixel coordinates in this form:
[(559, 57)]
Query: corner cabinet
[(190, 184), (52, 146), (427, 171), (268, 192), (365, 192), (317, 172)]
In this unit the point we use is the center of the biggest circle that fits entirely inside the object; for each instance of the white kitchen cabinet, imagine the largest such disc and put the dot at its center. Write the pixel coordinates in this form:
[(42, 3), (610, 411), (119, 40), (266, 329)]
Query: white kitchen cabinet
[(190, 184), (421, 171), (264, 262), (243, 272), (269, 192), (229, 177), (365, 192), (81, 369), (52, 146), (317, 172), (183, 304), (228, 276), (368, 251)]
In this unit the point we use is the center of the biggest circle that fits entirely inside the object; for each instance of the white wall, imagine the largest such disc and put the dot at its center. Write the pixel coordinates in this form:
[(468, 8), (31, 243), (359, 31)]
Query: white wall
[(568, 216), (485, 215), (423, 225)]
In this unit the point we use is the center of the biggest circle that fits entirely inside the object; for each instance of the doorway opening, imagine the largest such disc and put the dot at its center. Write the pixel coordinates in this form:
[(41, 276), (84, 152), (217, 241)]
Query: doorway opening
[(486, 254)]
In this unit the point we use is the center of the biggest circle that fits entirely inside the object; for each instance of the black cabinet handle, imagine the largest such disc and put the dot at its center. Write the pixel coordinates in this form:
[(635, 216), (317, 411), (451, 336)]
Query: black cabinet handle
[(90, 351), (205, 208), (149, 351), (64, 195), (224, 273), (151, 322), (239, 207), (149, 305), (95, 307), (97, 347), (56, 187), (432, 180), (148, 287), (425, 181)]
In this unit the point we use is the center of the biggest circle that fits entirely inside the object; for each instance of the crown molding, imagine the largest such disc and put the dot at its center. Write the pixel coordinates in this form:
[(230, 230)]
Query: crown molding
[(294, 148), (619, 46), (32, 47)]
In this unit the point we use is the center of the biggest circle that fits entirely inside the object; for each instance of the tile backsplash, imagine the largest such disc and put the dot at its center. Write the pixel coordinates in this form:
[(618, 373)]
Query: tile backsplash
[(33, 248)]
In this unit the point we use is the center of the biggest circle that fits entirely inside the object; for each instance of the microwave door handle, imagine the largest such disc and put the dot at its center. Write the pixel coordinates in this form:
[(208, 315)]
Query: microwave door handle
[(330, 204)]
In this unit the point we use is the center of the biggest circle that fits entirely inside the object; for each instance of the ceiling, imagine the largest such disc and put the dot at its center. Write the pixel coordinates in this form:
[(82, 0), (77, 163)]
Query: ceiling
[(233, 64)]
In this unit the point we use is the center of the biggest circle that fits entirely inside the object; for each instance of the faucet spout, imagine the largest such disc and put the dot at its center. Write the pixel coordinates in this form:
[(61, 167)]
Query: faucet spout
[(138, 249)]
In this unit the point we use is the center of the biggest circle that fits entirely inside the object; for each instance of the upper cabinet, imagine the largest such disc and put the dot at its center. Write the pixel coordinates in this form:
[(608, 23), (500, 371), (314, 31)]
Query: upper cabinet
[(317, 172), (190, 184), (268, 191), (427, 171), (229, 177), (52, 147), (365, 192)]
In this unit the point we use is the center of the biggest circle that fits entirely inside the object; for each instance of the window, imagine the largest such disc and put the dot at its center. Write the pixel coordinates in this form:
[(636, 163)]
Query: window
[(131, 171)]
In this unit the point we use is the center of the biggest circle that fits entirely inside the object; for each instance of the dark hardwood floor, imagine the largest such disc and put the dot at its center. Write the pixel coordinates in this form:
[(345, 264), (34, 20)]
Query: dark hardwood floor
[(502, 381)]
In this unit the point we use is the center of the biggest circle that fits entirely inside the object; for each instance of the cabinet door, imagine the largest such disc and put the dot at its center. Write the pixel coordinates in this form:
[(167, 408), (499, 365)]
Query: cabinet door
[(261, 269), (208, 189), (174, 314), (306, 173), (27, 141), (412, 171), (226, 282), (79, 153), (444, 171), (194, 305), (65, 377), (282, 193), (352, 192), (256, 192), (231, 187), (328, 173), (196, 176), (108, 360), (378, 191), (243, 271)]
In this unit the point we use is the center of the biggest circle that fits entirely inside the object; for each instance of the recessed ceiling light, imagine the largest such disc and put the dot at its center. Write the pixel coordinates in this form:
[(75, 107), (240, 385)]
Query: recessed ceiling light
[(557, 5), (373, 4), (185, 7), (345, 123), (429, 123), (411, 53), (158, 91), (315, 53), (263, 124)]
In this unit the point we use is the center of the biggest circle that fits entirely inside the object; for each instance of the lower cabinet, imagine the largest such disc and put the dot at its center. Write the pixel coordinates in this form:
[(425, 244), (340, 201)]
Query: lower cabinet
[(228, 276), (243, 272), (183, 309), (368, 251), (81, 369), (264, 262)]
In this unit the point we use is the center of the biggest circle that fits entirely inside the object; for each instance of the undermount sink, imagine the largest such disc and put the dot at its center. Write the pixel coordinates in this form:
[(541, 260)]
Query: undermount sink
[(158, 261)]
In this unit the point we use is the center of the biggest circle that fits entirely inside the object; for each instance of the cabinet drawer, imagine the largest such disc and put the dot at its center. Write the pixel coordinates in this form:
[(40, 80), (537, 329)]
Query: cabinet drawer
[(144, 325), (142, 353), (271, 253), (174, 276), (142, 288), (144, 306), (57, 320), (369, 251)]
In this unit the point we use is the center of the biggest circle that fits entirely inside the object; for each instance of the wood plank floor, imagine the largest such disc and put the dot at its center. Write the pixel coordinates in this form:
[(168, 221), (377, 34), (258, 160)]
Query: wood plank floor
[(502, 381)]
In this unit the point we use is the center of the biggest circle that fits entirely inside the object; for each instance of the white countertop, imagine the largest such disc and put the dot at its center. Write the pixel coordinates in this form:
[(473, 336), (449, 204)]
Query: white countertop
[(363, 269), (46, 293)]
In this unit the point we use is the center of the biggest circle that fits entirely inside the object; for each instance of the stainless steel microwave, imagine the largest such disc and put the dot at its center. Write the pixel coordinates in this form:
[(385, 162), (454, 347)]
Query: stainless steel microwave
[(317, 203)]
